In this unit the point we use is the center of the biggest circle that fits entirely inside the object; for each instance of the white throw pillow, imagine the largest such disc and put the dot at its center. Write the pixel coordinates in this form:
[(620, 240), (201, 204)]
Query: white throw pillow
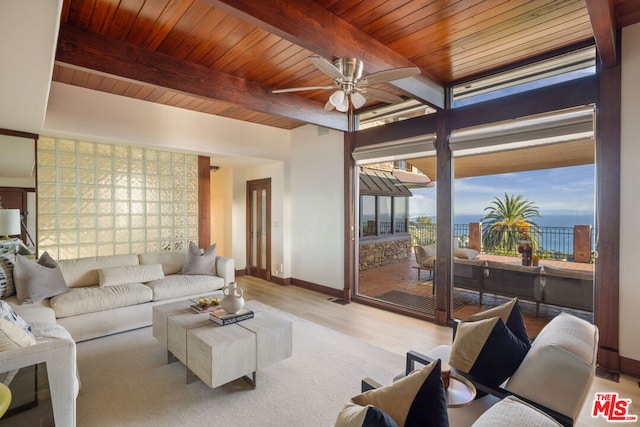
[(465, 253), (13, 336), (130, 274)]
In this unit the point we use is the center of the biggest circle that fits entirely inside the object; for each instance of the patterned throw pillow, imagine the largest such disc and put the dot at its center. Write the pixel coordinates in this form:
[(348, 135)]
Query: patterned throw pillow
[(417, 400), (511, 315), (7, 312), (7, 287), (488, 350), (201, 264)]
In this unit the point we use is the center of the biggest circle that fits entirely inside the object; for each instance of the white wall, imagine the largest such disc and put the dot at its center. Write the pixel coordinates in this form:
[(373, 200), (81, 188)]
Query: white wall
[(629, 194), (317, 206), (97, 116)]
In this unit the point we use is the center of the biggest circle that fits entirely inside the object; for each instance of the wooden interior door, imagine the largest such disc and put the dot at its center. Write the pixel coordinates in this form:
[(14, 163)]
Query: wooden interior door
[(258, 229)]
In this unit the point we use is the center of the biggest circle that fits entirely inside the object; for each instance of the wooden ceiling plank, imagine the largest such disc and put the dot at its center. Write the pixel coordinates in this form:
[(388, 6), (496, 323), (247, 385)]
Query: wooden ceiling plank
[(523, 35), (191, 47), (167, 20), (103, 15), (290, 56), (466, 24), (146, 21), (80, 13), (432, 17), (124, 18), (313, 27), (223, 40), (188, 26), (506, 29), (365, 11), (602, 15), (92, 51), (515, 52)]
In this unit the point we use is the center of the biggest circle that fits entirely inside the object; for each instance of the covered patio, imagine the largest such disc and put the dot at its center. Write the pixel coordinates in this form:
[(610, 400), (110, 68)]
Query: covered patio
[(401, 279)]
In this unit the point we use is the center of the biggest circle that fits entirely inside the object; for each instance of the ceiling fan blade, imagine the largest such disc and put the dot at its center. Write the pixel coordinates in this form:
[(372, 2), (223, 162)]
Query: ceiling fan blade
[(327, 67), (381, 95), (296, 89), (389, 75)]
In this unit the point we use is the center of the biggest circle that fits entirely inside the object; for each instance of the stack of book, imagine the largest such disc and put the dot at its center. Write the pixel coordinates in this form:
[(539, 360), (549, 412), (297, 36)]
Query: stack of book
[(205, 309), (223, 318)]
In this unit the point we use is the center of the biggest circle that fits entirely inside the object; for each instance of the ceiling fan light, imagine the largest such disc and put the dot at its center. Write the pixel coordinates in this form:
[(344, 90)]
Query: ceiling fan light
[(337, 98), (357, 100), (344, 106)]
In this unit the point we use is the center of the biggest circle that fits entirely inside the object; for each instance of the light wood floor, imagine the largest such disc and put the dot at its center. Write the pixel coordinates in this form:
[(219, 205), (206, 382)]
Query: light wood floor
[(395, 332)]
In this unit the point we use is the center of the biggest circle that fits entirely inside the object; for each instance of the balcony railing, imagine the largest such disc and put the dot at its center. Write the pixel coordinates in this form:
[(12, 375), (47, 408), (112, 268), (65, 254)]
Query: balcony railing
[(555, 243)]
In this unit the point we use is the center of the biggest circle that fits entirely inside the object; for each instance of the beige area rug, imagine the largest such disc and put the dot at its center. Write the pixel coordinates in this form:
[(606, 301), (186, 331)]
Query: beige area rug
[(126, 381)]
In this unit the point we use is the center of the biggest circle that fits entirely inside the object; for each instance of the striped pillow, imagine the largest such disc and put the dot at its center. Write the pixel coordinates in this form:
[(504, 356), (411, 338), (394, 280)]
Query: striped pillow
[(7, 288)]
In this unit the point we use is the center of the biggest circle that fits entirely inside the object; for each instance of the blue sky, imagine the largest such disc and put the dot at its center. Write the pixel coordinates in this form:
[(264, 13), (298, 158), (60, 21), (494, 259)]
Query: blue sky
[(569, 189)]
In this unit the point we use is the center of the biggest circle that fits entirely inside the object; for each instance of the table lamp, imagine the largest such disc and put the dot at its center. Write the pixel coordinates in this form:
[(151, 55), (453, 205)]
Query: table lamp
[(9, 222)]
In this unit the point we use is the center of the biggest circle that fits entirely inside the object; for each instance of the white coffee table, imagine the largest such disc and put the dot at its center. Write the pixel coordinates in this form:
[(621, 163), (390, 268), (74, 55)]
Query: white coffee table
[(220, 354)]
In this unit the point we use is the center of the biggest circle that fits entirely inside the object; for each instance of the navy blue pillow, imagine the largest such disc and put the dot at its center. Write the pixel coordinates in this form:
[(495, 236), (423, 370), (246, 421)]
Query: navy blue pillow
[(488, 350), (378, 418), (417, 400), (429, 408)]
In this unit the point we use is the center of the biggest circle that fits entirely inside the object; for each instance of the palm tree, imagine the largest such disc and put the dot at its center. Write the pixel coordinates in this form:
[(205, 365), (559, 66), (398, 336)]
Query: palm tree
[(507, 222)]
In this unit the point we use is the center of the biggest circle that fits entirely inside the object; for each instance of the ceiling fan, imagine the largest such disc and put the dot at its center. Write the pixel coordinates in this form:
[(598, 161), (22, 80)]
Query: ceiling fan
[(351, 85)]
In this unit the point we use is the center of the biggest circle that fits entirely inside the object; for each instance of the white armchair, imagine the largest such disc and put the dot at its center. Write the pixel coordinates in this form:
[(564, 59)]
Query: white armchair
[(56, 348), (60, 357)]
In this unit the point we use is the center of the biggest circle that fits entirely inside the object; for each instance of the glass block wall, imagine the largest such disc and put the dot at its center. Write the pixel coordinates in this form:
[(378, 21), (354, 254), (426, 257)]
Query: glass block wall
[(107, 199)]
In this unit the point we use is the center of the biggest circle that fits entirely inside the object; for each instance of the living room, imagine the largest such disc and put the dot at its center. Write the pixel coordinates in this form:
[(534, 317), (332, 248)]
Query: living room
[(305, 166)]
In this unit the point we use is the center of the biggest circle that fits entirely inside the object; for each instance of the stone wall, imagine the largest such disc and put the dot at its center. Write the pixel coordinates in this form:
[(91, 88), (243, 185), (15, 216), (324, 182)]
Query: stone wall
[(380, 253)]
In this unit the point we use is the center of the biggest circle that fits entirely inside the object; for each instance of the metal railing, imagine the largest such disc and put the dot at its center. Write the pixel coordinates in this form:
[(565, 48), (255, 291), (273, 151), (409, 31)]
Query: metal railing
[(553, 242)]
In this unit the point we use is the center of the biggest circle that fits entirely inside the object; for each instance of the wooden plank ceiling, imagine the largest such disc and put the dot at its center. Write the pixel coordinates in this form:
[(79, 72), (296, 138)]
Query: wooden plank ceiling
[(223, 57)]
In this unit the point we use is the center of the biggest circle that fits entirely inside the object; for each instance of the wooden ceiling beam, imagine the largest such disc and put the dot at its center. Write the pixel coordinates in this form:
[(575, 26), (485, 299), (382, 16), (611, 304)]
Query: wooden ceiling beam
[(86, 50), (311, 26), (603, 21)]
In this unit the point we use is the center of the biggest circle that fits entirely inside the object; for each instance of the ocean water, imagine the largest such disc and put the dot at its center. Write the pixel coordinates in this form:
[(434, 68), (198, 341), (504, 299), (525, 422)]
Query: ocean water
[(547, 220)]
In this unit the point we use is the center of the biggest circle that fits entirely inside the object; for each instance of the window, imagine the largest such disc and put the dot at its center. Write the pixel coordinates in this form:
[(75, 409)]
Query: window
[(383, 215)]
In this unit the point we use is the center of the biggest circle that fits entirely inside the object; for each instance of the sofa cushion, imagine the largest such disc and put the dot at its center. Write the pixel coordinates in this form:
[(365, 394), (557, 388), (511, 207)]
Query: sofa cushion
[(200, 263), (353, 415), (13, 336), (84, 271), (90, 299), (36, 281), (178, 285), (172, 262), (425, 251), (7, 287), (465, 253), (503, 414), (488, 350), (511, 315), (130, 274), (535, 270), (415, 400), (566, 273)]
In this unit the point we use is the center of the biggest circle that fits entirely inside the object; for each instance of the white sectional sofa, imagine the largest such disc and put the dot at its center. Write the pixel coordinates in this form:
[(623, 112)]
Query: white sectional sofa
[(89, 310), (106, 295)]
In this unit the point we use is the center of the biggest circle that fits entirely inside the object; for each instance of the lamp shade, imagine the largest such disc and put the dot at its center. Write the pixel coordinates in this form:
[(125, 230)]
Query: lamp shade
[(9, 222)]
